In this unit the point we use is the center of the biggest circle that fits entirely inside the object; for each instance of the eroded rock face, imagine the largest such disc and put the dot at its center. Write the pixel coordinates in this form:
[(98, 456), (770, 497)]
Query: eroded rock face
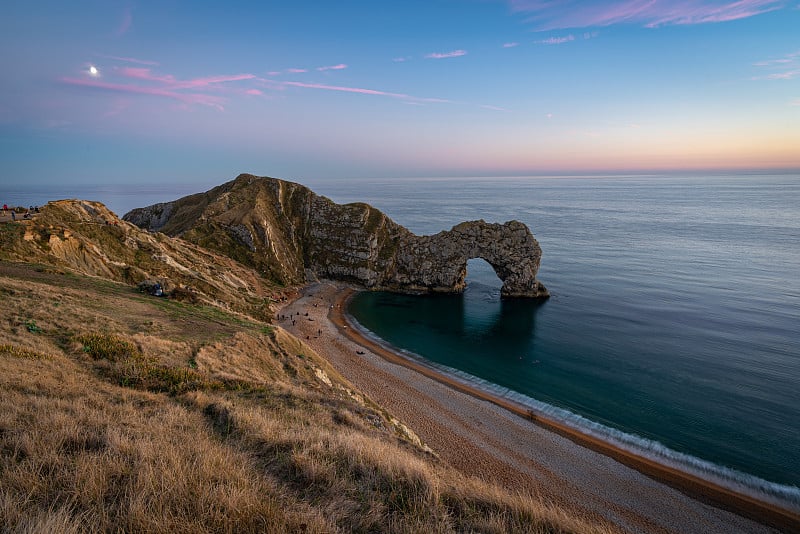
[(288, 233), (88, 238), (439, 262)]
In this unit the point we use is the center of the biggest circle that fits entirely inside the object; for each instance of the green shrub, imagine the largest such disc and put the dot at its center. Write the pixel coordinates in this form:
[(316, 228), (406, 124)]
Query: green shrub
[(108, 347), (30, 324)]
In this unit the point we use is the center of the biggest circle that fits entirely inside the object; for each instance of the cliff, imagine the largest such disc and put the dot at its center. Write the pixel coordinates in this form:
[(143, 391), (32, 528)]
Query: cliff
[(290, 234), (88, 238)]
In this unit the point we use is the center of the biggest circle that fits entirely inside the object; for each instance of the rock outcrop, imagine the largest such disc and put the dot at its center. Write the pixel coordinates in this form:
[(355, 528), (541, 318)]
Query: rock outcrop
[(88, 238), (290, 234)]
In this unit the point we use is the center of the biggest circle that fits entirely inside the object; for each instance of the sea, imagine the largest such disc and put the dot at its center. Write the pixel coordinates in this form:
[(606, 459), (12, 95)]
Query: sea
[(673, 329)]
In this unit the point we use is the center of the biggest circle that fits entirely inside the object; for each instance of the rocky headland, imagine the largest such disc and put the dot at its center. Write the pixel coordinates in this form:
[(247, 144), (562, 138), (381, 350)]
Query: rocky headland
[(315, 428), (291, 235)]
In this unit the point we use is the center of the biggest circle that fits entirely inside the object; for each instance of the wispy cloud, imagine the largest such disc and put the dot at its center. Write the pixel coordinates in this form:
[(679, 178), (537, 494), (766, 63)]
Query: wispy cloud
[(172, 83), (401, 59), (125, 24), (141, 73), (340, 66), (444, 55), (771, 62), (211, 80), (510, 45), (557, 40), (130, 60), (216, 91), (186, 98), (363, 91), (782, 68), (296, 71), (143, 81), (551, 14), (785, 75)]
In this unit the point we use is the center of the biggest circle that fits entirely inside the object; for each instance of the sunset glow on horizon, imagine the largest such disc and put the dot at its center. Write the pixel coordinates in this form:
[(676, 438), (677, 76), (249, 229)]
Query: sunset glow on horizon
[(434, 88)]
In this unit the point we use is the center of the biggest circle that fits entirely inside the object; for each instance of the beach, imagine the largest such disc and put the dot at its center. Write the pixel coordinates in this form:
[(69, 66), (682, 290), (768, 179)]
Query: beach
[(495, 440)]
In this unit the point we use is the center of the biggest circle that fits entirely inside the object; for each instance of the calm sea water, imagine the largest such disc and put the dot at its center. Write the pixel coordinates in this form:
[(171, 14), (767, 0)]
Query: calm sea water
[(674, 322)]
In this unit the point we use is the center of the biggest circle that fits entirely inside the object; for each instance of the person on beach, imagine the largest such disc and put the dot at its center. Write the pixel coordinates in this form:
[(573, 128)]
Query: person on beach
[(5, 208), (13, 215)]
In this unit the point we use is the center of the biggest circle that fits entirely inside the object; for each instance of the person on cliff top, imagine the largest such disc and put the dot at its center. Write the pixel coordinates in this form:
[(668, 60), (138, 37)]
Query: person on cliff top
[(5, 208), (13, 215)]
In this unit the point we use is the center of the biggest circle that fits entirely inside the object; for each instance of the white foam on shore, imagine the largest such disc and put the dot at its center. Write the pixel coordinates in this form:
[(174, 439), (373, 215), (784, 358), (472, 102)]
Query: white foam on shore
[(784, 496)]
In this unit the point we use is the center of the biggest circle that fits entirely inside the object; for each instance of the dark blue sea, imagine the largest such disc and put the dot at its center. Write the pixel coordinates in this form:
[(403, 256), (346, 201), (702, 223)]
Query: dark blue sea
[(674, 323)]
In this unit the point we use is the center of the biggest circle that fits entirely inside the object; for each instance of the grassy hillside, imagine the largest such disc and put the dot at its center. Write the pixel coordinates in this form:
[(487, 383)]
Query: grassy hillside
[(87, 238), (125, 412)]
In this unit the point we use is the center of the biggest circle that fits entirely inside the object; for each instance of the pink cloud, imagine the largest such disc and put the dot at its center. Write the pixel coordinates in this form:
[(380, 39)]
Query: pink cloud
[(171, 82), (164, 85), (254, 92), (493, 108), (454, 53), (340, 66), (187, 98), (551, 15), (141, 73), (296, 71), (274, 73), (557, 40), (510, 45), (210, 80)]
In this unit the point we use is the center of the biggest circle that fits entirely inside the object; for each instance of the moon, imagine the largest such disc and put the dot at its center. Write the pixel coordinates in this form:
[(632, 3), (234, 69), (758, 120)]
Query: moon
[(93, 70)]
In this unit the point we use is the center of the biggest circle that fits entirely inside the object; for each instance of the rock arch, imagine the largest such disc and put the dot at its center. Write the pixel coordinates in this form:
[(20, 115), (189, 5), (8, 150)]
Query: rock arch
[(438, 263), (289, 234)]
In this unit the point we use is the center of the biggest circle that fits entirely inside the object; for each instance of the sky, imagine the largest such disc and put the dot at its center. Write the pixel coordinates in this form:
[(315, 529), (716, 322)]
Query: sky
[(169, 91)]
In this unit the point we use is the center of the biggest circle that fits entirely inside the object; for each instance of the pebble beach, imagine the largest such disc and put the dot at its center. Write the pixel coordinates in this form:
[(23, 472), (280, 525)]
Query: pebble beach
[(493, 440)]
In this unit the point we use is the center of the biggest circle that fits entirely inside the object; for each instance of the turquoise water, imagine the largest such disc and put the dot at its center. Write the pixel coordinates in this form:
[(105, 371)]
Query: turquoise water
[(674, 321)]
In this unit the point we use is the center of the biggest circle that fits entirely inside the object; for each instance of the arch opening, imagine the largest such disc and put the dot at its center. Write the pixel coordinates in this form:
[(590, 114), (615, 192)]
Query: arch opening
[(482, 278)]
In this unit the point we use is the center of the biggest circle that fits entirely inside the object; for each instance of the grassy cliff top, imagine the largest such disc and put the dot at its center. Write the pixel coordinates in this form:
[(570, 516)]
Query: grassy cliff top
[(126, 412)]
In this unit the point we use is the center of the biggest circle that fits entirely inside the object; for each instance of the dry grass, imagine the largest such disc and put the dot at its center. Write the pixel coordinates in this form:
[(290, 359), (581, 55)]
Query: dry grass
[(184, 420)]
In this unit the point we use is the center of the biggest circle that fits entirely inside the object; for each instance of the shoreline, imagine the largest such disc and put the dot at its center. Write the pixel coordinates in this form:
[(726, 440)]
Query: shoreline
[(693, 487)]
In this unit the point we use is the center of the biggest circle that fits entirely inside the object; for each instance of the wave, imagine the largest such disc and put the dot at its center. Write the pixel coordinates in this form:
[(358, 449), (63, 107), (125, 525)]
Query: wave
[(781, 495)]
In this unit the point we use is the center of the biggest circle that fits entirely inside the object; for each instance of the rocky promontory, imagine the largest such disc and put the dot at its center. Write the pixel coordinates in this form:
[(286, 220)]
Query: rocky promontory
[(292, 235)]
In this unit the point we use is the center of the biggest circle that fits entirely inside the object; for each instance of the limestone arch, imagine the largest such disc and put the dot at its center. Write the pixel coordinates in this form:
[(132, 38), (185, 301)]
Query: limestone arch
[(439, 262)]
